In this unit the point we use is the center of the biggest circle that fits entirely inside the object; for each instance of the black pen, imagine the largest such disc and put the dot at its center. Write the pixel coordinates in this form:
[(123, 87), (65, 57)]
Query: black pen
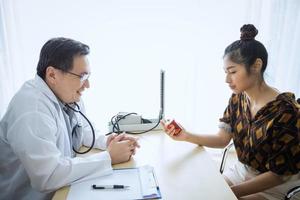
[(102, 187)]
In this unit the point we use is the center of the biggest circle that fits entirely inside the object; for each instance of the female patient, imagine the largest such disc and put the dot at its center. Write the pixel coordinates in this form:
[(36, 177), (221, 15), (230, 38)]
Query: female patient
[(263, 123)]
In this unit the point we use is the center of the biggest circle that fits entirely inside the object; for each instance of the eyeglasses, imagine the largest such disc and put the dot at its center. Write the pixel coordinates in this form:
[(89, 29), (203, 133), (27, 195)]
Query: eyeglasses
[(83, 77)]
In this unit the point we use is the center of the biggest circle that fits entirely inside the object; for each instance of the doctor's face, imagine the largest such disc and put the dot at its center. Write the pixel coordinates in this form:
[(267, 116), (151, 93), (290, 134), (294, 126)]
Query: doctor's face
[(70, 85)]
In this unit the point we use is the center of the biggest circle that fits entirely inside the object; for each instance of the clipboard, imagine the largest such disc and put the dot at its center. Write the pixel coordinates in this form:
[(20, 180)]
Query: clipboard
[(141, 181)]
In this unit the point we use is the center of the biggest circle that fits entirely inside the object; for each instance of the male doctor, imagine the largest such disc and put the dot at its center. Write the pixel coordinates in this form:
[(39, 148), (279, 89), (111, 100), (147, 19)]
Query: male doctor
[(36, 140)]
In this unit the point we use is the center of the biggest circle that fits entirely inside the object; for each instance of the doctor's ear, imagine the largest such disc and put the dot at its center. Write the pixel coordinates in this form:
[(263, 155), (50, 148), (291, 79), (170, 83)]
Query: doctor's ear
[(256, 67), (51, 74)]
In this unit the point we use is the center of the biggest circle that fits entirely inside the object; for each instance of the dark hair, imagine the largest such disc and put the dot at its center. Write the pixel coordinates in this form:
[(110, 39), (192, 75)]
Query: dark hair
[(59, 53), (247, 49)]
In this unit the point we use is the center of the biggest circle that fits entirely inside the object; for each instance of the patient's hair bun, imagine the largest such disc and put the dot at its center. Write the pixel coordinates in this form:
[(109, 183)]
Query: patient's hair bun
[(248, 32)]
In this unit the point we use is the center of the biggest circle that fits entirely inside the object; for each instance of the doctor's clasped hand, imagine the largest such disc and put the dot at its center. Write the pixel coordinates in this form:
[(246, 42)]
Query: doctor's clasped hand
[(121, 147)]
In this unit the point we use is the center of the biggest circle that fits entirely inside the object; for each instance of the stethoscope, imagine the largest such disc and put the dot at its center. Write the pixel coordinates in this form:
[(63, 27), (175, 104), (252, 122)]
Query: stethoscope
[(77, 110)]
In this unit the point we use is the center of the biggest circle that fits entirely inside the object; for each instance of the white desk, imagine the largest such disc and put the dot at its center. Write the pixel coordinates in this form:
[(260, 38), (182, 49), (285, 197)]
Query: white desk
[(183, 170)]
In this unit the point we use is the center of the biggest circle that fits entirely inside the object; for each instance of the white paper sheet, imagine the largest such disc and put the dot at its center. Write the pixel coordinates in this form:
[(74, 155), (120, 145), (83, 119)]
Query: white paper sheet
[(140, 180)]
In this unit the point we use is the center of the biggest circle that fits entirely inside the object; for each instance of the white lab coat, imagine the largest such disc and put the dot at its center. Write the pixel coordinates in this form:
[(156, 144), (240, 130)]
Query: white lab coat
[(35, 150)]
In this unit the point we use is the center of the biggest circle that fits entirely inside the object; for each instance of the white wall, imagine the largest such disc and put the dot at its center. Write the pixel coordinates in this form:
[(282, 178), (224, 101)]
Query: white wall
[(130, 42)]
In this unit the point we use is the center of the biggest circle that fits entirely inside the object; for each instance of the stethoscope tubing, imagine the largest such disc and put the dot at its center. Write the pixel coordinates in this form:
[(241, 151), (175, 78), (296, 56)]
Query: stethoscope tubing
[(73, 131)]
